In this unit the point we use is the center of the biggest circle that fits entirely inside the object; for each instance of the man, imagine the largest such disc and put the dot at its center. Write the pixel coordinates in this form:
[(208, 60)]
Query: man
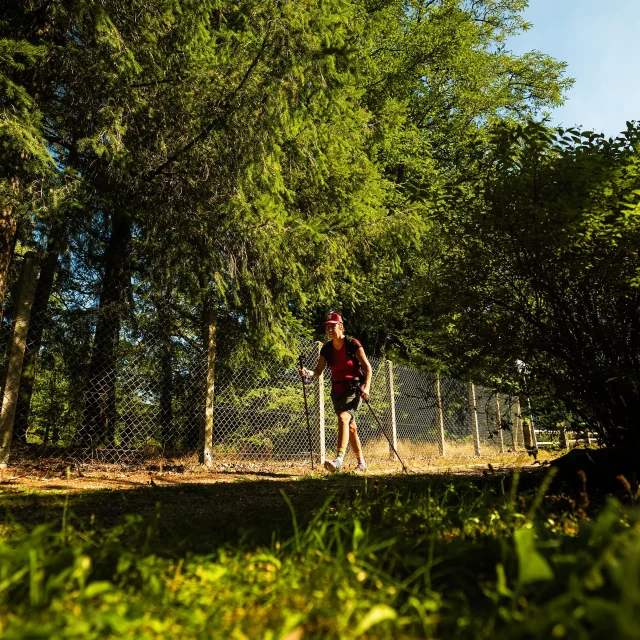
[(349, 365)]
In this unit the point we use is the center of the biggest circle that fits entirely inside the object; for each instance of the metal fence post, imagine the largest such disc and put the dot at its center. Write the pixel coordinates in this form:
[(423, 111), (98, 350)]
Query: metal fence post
[(499, 422), (532, 426), (392, 404), (473, 408), (534, 438), (322, 447), (17, 346), (439, 416), (518, 424)]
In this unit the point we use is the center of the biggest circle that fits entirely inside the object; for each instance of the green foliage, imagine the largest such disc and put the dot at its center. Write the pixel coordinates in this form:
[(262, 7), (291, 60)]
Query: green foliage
[(401, 561), (263, 159), (22, 143), (539, 263), (437, 77), (270, 155)]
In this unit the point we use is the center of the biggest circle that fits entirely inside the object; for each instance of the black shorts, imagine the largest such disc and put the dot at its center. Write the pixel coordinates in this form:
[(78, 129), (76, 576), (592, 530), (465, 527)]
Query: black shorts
[(348, 401)]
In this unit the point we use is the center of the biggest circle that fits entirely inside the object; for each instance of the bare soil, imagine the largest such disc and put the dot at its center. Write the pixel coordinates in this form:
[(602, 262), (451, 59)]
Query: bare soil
[(192, 509), (53, 476)]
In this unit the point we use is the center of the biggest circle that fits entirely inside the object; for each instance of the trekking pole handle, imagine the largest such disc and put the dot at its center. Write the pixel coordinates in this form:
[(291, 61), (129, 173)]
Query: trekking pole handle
[(307, 376)]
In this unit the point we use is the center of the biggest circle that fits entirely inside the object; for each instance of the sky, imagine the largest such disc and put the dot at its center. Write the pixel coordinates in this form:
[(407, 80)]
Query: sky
[(600, 41)]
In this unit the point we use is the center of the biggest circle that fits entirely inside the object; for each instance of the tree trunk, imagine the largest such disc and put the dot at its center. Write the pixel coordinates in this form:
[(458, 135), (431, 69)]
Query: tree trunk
[(8, 227), (100, 416), (205, 444), (39, 320), (166, 395), (168, 436), (24, 301)]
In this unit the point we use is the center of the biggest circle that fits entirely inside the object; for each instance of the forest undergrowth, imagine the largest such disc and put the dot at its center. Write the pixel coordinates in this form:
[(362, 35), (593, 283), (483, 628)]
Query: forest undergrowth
[(425, 556)]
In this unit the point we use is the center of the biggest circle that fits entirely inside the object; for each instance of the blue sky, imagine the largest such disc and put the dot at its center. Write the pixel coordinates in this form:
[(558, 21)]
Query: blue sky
[(599, 39)]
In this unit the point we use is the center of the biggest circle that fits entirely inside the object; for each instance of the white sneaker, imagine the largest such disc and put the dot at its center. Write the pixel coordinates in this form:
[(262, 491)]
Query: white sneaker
[(333, 466), (361, 467)]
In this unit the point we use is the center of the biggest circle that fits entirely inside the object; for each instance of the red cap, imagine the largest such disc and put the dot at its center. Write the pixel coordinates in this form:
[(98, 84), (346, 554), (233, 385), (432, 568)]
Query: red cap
[(334, 318)]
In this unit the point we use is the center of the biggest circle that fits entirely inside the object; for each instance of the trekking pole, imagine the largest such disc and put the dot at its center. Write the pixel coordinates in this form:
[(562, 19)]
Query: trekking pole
[(373, 413), (306, 411)]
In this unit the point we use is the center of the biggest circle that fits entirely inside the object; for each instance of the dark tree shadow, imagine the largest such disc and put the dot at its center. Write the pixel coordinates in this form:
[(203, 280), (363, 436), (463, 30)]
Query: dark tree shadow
[(200, 518)]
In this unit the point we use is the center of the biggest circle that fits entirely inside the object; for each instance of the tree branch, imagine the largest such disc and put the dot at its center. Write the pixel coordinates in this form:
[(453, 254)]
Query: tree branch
[(220, 119)]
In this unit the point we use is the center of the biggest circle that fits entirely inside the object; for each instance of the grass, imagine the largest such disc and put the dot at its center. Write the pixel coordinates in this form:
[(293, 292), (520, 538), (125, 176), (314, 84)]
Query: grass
[(424, 556)]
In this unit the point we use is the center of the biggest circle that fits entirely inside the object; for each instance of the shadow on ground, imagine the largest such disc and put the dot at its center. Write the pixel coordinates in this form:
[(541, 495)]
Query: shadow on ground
[(202, 517), (197, 517)]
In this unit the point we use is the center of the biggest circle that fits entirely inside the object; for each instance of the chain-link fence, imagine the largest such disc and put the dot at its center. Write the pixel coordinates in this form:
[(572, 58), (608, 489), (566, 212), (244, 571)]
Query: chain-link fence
[(141, 397), (125, 381), (123, 400)]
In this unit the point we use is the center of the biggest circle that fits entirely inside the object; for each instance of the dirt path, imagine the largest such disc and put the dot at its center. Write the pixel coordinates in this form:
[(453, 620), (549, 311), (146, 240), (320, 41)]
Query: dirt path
[(57, 478)]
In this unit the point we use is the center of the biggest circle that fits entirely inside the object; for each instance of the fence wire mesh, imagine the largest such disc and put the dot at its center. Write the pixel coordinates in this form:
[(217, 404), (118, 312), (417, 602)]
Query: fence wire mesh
[(88, 376), (136, 392), (121, 388), (259, 411)]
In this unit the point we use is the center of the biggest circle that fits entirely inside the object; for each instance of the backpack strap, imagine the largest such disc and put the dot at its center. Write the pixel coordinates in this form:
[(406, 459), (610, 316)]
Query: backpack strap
[(352, 350), (351, 347), (327, 351)]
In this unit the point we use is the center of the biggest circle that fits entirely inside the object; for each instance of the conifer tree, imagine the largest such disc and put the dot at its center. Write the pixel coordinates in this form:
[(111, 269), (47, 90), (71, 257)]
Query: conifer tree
[(25, 160)]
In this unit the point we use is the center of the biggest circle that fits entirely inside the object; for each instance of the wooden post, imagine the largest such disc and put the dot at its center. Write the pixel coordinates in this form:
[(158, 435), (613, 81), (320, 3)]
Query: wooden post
[(473, 409), (322, 445), (564, 445), (499, 423), (532, 426), (205, 441), (534, 437), (439, 416), (17, 346), (392, 404), (518, 425), (526, 434)]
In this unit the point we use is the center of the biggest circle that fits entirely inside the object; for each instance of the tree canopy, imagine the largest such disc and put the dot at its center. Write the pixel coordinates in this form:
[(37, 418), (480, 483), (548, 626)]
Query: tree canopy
[(250, 165), (540, 269)]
